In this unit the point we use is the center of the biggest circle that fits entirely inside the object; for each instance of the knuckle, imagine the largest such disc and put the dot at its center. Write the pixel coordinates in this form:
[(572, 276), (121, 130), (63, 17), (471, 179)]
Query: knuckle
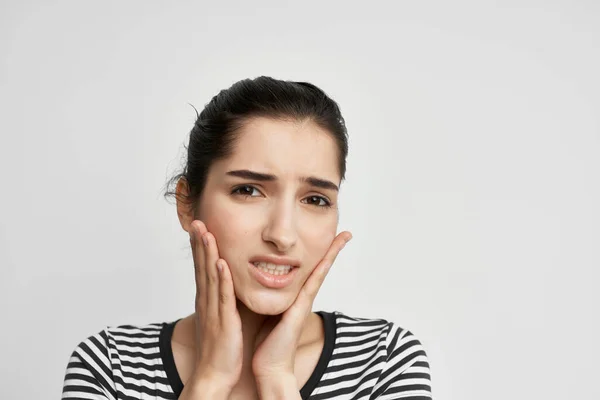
[(197, 268), (212, 279), (212, 275)]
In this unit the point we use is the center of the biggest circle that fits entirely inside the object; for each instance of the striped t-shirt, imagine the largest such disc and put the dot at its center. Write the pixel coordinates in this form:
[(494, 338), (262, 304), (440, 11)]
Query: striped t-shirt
[(361, 359)]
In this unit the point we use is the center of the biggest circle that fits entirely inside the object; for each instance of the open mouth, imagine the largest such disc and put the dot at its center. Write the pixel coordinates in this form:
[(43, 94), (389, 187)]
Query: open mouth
[(273, 269), (271, 275)]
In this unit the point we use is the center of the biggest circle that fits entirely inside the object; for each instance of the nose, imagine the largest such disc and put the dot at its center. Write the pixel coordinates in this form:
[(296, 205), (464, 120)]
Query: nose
[(281, 227)]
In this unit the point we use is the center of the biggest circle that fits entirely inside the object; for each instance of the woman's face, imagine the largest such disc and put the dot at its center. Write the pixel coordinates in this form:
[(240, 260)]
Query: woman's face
[(289, 210)]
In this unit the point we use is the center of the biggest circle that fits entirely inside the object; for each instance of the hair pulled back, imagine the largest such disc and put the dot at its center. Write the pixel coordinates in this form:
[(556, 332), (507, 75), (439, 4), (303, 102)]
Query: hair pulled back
[(214, 133)]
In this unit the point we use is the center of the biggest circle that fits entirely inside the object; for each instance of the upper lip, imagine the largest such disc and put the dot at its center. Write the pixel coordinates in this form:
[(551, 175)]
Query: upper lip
[(276, 260)]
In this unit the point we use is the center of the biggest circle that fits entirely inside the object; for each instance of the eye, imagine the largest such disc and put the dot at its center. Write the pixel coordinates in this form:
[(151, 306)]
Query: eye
[(245, 190), (318, 201)]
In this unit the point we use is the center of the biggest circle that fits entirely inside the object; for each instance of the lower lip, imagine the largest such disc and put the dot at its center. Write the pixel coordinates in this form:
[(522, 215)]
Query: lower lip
[(272, 281)]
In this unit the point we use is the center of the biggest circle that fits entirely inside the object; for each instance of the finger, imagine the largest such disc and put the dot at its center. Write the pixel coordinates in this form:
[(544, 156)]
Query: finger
[(310, 289), (336, 246), (196, 230), (227, 299), (212, 275)]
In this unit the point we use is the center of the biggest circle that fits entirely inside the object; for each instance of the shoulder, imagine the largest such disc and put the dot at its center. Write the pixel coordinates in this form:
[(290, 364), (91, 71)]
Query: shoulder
[(117, 337), (397, 340), (91, 365), (392, 331), (96, 351), (391, 349)]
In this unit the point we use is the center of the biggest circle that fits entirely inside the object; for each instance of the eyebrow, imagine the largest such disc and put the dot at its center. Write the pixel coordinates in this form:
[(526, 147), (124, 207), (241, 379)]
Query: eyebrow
[(259, 176)]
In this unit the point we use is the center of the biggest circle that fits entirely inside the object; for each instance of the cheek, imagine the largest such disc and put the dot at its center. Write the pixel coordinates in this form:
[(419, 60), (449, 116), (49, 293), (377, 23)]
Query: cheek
[(318, 242), (231, 229)]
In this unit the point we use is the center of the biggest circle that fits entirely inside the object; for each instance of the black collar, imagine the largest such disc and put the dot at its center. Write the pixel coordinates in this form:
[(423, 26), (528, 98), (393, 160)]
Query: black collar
[(166, 353)]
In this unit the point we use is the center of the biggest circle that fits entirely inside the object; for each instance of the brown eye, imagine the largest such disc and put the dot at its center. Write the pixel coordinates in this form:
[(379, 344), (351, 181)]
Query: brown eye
[(245, 190), (318, 201)]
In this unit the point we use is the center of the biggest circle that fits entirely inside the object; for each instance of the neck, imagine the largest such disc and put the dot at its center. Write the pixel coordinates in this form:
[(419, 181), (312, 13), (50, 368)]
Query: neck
[(185, 337), (185, 333)]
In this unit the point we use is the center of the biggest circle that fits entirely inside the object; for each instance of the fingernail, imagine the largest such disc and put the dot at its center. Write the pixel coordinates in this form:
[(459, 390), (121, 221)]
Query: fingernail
[(205, 240), (220, 265)]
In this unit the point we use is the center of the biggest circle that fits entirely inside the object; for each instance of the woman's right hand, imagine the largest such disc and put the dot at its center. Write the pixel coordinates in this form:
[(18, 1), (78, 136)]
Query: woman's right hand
[(219, 344)]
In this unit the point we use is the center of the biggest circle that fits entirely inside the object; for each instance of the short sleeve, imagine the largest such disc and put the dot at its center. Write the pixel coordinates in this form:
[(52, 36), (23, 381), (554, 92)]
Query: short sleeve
[(89, 374), (406, 373)]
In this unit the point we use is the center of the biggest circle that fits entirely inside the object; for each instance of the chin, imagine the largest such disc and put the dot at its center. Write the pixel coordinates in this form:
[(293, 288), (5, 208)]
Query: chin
[(268, 304)]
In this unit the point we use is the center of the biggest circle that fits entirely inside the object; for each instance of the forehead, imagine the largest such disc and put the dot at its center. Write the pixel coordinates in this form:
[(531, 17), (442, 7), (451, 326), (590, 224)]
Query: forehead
[(288, 149)]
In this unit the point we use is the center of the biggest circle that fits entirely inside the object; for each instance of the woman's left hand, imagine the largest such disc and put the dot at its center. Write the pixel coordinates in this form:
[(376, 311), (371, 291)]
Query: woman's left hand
[(275, 346)]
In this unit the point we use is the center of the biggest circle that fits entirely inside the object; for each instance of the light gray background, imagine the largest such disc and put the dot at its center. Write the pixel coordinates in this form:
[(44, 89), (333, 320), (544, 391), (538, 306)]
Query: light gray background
[(473, 176)]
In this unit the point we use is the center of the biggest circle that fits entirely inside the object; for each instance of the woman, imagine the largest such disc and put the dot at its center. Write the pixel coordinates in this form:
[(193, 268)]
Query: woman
[(259, 198)]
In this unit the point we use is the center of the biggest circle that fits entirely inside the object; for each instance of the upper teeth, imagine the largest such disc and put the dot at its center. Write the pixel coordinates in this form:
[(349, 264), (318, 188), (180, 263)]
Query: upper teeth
[(272, 267)]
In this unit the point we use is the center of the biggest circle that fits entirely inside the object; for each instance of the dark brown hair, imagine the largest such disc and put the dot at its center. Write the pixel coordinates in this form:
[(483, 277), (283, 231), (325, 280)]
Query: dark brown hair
[(213, 135)]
